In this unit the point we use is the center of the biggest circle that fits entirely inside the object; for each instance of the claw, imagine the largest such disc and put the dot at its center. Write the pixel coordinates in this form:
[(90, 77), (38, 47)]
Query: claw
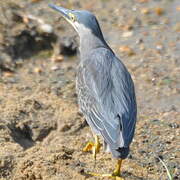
[(94, 147), (115, 175), (88, 147)]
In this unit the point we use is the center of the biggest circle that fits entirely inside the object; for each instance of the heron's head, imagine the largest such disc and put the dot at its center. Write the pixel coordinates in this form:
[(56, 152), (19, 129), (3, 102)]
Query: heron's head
[(82, 21)]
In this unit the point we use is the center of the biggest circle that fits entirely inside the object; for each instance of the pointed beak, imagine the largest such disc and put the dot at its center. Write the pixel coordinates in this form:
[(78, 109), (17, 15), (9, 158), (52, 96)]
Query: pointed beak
[(62, 10)]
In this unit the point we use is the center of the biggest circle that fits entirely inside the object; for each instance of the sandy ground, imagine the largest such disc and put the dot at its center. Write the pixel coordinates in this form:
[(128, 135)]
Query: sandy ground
[(41, 131)]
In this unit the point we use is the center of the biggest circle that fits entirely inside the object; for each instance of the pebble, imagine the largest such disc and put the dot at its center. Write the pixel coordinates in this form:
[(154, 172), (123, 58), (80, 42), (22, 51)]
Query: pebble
[(46, 28), (8, 74), (159, 11), (159, 46), (173, 125), (139, 41), (127, 34), (127, 50), (54, 68), (37, 70), (145, 11), (58, 58)]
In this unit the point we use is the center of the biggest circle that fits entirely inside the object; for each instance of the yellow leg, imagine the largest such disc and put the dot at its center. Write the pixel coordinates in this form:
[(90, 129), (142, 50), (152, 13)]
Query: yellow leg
[(117, 171), (94, 147), (116, 175)]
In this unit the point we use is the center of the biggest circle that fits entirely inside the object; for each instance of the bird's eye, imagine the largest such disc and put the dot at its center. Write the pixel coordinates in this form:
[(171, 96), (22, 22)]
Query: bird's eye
[(72, 16)]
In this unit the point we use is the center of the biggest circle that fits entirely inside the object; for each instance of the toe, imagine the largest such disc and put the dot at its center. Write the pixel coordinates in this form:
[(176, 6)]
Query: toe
[(88, 147)]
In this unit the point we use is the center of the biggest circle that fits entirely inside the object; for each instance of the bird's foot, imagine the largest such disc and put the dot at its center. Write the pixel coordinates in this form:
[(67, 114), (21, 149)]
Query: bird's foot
[(88, 147), (111, 176), (116, 175), (94, 147)]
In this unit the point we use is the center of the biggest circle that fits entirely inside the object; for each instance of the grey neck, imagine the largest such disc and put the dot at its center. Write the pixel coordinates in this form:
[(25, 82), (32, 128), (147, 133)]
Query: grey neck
[(88, 42)]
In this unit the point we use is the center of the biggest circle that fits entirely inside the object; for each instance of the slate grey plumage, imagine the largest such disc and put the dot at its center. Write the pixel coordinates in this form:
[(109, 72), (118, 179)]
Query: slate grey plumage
[(105, 88)]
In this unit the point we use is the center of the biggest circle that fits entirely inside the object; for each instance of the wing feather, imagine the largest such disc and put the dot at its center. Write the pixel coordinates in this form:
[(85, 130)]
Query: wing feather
[(111, 89)]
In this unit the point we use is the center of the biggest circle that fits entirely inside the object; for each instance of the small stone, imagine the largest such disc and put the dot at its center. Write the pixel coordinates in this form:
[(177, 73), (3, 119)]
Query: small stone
[(159, 11), (25, 19), (126, 27), (127, 34), (8, 74), (145, 11), (173, 125), (58, 58), (55, 68), (134, 8), (159, 46), (127, 50), (37, 70), (46, 28), (178, 8), (139, 41)]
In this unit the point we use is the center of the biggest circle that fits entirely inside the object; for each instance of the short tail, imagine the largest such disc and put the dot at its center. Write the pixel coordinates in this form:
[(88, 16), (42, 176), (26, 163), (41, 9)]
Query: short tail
[(120, 153)]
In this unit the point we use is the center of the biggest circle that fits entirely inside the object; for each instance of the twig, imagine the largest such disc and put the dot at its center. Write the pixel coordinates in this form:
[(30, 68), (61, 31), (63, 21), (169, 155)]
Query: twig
[(167, 170)]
